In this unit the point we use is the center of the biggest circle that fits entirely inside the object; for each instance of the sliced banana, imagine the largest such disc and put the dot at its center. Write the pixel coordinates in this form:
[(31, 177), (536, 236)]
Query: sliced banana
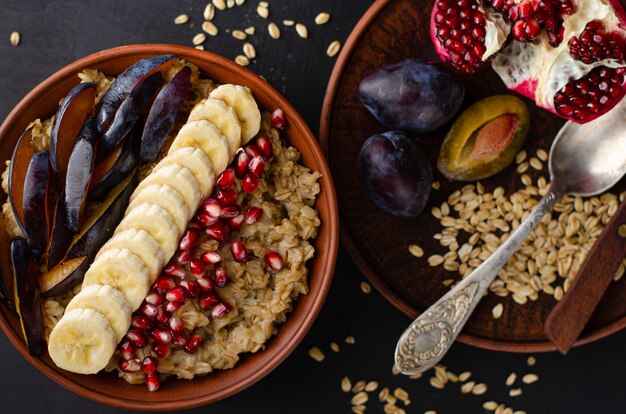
[(197, 162), (167, 197), (107, 300), (206, 136), (142, 244), (82, 342), (223, 116), (177, 177), (122, 270), (241, 100), (157, 222)]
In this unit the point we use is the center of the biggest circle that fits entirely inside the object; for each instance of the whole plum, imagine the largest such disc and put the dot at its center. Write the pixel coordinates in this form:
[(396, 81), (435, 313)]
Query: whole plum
[(396, 173), (412, 95)]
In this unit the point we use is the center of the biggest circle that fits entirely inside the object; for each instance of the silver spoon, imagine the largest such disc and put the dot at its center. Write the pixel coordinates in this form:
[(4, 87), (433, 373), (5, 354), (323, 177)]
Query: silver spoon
[(584, 160)]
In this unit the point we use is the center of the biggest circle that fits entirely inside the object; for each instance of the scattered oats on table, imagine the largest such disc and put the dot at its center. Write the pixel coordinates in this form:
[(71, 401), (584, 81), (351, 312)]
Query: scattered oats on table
[(345, 384), (497, 311), (316, 354), (333, 48), (219, 4), (531, 361), (209, 12), (365, 287), (210, 28), (334, 346), (510, 380), (239, 34), (249, 50), (350, 340), (515, 392), (250, 30), (15, 38), (322, 18), (263, 12), (530, 378), (181, 19), (288, 22), (302, 30), (198, 39), (359, 386), (242, 60), (273, 30)]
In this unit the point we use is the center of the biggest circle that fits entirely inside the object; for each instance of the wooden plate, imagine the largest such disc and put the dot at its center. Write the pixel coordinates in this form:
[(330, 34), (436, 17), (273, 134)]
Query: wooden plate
[(390, 31)]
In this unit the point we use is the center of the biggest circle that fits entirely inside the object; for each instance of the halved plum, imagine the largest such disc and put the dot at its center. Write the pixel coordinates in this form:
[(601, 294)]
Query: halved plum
[(163, 114), (79, 170), (68, 122), (20, 161), (85, 245), (27, 296), (125, 83), (129, 113), (36, 203)]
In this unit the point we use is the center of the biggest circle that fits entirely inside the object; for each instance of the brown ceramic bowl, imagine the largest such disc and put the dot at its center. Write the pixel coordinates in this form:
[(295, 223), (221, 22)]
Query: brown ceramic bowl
[(175, 394)]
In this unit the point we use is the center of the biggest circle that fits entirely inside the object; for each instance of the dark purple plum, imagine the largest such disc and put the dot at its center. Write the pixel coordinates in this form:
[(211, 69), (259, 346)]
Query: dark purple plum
[(79, 171), (129, 113), (124, 84), (35, 202), (412, 95), (162, 115), (396, 173)]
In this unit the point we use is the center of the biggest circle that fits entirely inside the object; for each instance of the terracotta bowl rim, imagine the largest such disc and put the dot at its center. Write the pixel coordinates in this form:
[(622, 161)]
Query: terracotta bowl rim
[(331, 221)]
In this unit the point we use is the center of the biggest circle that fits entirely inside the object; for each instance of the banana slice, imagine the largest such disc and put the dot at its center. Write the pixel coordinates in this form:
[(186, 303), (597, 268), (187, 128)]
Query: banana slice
[(142, 244), (122, 270), (167, 197), (157, 222), (223, 116), (82, 342), (206, 136), (107, 300), (177, 177), (242, 101), (197, 162)]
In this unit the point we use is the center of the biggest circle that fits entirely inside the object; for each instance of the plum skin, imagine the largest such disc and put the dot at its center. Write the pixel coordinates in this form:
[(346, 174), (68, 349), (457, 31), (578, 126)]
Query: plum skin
[(412, 95), (396, 173)]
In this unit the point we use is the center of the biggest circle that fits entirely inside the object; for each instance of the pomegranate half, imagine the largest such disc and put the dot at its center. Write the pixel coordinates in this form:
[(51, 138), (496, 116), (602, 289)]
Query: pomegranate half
[(569, 56)]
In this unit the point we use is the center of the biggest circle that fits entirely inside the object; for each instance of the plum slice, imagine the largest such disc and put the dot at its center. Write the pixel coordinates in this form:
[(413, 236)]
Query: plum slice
[(79, 171), (68, 122), (60, 237), (163, 114), (20, 160), (129, 113), (27, 295), (6, 284), (85, 245), (124, 84), (36, 203)]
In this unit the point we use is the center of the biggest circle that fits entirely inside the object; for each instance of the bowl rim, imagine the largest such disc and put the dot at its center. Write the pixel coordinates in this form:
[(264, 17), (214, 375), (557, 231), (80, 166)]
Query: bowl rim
[(327, 267)]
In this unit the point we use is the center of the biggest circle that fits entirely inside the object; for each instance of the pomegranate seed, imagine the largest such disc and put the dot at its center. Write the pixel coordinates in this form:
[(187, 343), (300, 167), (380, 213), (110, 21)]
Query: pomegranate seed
[(197, 268), (218, 232), (265, 145), (184, 257), (161, 350), (193, 344), (179, 340), (207, 220), (274, 260), (137, 338), (253, 151), (238, 250), (191, 287), (176, 325), (226, 178), (189, 240), (208, 301), (127, 350), (241, 163), (162, 315), (176, 295), (150, 365), (164, 284), (595, 44), (206, 285), (221, 309), (250, 183), (211, 207), (226, 196), (211, 257), (162, 336), (236, 222), (153, 381), (173, 306), (230, 211), (130, 365), (257, 166), (149, 310), (278, 119), (253, 215), (142, 322), (174, 270), (154, 298), (221, 276)]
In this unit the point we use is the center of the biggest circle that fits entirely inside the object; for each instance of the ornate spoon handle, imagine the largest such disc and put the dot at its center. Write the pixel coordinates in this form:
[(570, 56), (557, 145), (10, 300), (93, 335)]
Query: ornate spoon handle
[(429, 337)]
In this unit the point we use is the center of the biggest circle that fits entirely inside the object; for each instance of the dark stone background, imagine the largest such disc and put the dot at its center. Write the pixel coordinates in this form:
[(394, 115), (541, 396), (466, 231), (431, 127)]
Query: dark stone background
[(56, 32)]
